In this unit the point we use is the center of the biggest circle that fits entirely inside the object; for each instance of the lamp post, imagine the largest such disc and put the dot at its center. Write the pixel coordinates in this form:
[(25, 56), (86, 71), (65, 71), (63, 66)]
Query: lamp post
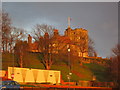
[(12, 75), (69, 75), (69, 59), (93, 80)]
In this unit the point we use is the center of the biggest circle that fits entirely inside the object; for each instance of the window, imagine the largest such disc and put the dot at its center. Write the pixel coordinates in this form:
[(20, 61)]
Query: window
[(50, 75)]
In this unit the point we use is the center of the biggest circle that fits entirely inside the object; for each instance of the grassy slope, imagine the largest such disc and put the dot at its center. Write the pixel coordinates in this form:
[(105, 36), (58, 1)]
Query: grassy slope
[(7, 60), (84, 72), (99, 71)]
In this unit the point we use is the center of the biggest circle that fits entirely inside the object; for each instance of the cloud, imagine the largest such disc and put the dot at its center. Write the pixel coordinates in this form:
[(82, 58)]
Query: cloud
[(100, 19)]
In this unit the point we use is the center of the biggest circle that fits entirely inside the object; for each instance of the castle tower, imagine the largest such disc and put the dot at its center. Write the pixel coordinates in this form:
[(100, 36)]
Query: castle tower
[(68, 32), (79, 37)]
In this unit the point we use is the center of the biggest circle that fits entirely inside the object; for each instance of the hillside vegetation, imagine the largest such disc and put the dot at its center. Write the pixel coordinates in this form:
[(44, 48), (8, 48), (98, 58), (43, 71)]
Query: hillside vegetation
[(79, 72)]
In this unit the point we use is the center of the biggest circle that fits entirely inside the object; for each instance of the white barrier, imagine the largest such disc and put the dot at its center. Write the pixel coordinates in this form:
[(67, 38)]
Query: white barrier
[(34, 75)]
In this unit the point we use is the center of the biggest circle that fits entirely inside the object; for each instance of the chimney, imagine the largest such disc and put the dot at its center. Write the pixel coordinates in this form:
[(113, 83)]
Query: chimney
[(29, 39), (56, 32), (46, 35)]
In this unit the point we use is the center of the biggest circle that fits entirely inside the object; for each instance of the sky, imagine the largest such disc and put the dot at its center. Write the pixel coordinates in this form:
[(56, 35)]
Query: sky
[(99, 18)]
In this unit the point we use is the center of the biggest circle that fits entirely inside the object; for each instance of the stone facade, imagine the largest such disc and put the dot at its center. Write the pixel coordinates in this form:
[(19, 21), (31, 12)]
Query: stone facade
[(79, 37), (76, 39)]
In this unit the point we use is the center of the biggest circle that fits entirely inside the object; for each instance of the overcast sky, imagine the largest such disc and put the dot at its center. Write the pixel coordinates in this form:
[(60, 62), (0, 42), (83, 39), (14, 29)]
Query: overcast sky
[(99, 18)]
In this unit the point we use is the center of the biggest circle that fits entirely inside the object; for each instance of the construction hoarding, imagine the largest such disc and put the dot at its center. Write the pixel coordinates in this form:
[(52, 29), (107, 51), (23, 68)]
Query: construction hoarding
[(33, 75)]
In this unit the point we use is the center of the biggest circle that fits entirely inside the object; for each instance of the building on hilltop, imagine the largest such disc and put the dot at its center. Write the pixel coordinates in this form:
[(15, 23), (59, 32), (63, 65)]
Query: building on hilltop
[(74, 39), (79, 37), (77, 40)]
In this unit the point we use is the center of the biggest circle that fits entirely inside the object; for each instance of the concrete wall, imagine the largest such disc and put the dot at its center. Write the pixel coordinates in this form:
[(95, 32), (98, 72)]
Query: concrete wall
[(34, 75), (2, 73)]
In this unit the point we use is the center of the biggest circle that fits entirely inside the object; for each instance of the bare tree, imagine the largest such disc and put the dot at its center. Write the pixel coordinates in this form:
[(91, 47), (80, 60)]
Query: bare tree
[(116, 50), (21, 48), (40, 30), (15, 35), (43, 35), (115, 64), (10, 34), (6, 27), (91, 48)]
